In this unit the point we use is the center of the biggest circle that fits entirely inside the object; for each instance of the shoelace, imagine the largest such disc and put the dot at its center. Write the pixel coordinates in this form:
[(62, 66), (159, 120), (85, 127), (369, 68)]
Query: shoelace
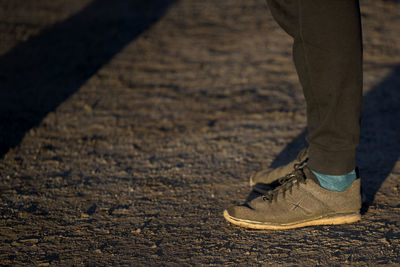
[(294, 178), (301, 163), (297, 166)]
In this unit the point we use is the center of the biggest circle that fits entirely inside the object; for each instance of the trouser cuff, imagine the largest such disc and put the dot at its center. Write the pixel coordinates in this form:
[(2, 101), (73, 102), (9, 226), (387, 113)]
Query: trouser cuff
[(331, 162)]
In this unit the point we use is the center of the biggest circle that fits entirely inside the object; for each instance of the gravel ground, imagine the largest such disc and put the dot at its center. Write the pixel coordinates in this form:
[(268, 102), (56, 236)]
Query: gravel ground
[(128, 126)]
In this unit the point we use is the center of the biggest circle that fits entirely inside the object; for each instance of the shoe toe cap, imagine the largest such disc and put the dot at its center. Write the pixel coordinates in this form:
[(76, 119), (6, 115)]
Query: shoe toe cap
[(238, 211), (244, 212)]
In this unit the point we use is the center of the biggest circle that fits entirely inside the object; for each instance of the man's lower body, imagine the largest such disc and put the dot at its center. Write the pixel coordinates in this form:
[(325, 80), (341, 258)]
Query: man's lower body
[(327, 53)]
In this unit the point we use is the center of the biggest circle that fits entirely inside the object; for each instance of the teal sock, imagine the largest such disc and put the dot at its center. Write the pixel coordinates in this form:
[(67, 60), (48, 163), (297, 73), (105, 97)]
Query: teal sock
[(335, 182)]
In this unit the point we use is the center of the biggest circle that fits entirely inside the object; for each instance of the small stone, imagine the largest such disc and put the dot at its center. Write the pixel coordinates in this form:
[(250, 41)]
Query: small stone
[(137, 231), (31, 240), (384, 240), (88, 109)]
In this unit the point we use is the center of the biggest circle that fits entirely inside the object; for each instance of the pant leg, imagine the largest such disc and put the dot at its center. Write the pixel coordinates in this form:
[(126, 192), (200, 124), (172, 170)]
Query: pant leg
[(327, 53)]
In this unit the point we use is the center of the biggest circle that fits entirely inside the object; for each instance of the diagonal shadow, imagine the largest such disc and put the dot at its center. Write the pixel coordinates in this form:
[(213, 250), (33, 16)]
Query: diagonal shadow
[(379, 147), (38, 75)]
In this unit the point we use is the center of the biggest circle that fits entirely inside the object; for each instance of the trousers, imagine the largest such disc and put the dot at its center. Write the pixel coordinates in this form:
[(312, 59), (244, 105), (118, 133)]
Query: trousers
[(327, 53)]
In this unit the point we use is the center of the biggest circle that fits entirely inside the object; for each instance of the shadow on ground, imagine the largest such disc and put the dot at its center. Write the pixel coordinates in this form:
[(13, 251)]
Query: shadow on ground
[(38, 75), (379, 147)]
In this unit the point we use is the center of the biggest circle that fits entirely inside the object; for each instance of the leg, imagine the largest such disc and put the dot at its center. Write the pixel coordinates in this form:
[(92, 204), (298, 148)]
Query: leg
[(328, 56), (327, 53)]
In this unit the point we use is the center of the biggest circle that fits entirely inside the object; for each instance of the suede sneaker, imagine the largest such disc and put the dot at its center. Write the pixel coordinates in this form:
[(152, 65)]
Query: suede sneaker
[(300, 201), (268, 179)]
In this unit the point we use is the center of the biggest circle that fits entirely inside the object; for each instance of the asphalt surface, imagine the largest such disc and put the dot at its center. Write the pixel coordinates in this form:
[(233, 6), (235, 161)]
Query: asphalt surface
[(127, 127)]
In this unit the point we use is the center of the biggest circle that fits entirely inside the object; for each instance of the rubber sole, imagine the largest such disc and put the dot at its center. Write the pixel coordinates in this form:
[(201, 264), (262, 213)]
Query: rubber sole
[(325, 220)]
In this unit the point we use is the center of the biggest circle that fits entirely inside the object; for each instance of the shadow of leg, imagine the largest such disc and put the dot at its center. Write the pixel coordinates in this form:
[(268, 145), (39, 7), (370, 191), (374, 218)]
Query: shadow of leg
[(379, 147)]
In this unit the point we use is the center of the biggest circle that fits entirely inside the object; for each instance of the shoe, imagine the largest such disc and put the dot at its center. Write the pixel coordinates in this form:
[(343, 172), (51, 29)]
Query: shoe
[(268, 179), (298, 202)]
